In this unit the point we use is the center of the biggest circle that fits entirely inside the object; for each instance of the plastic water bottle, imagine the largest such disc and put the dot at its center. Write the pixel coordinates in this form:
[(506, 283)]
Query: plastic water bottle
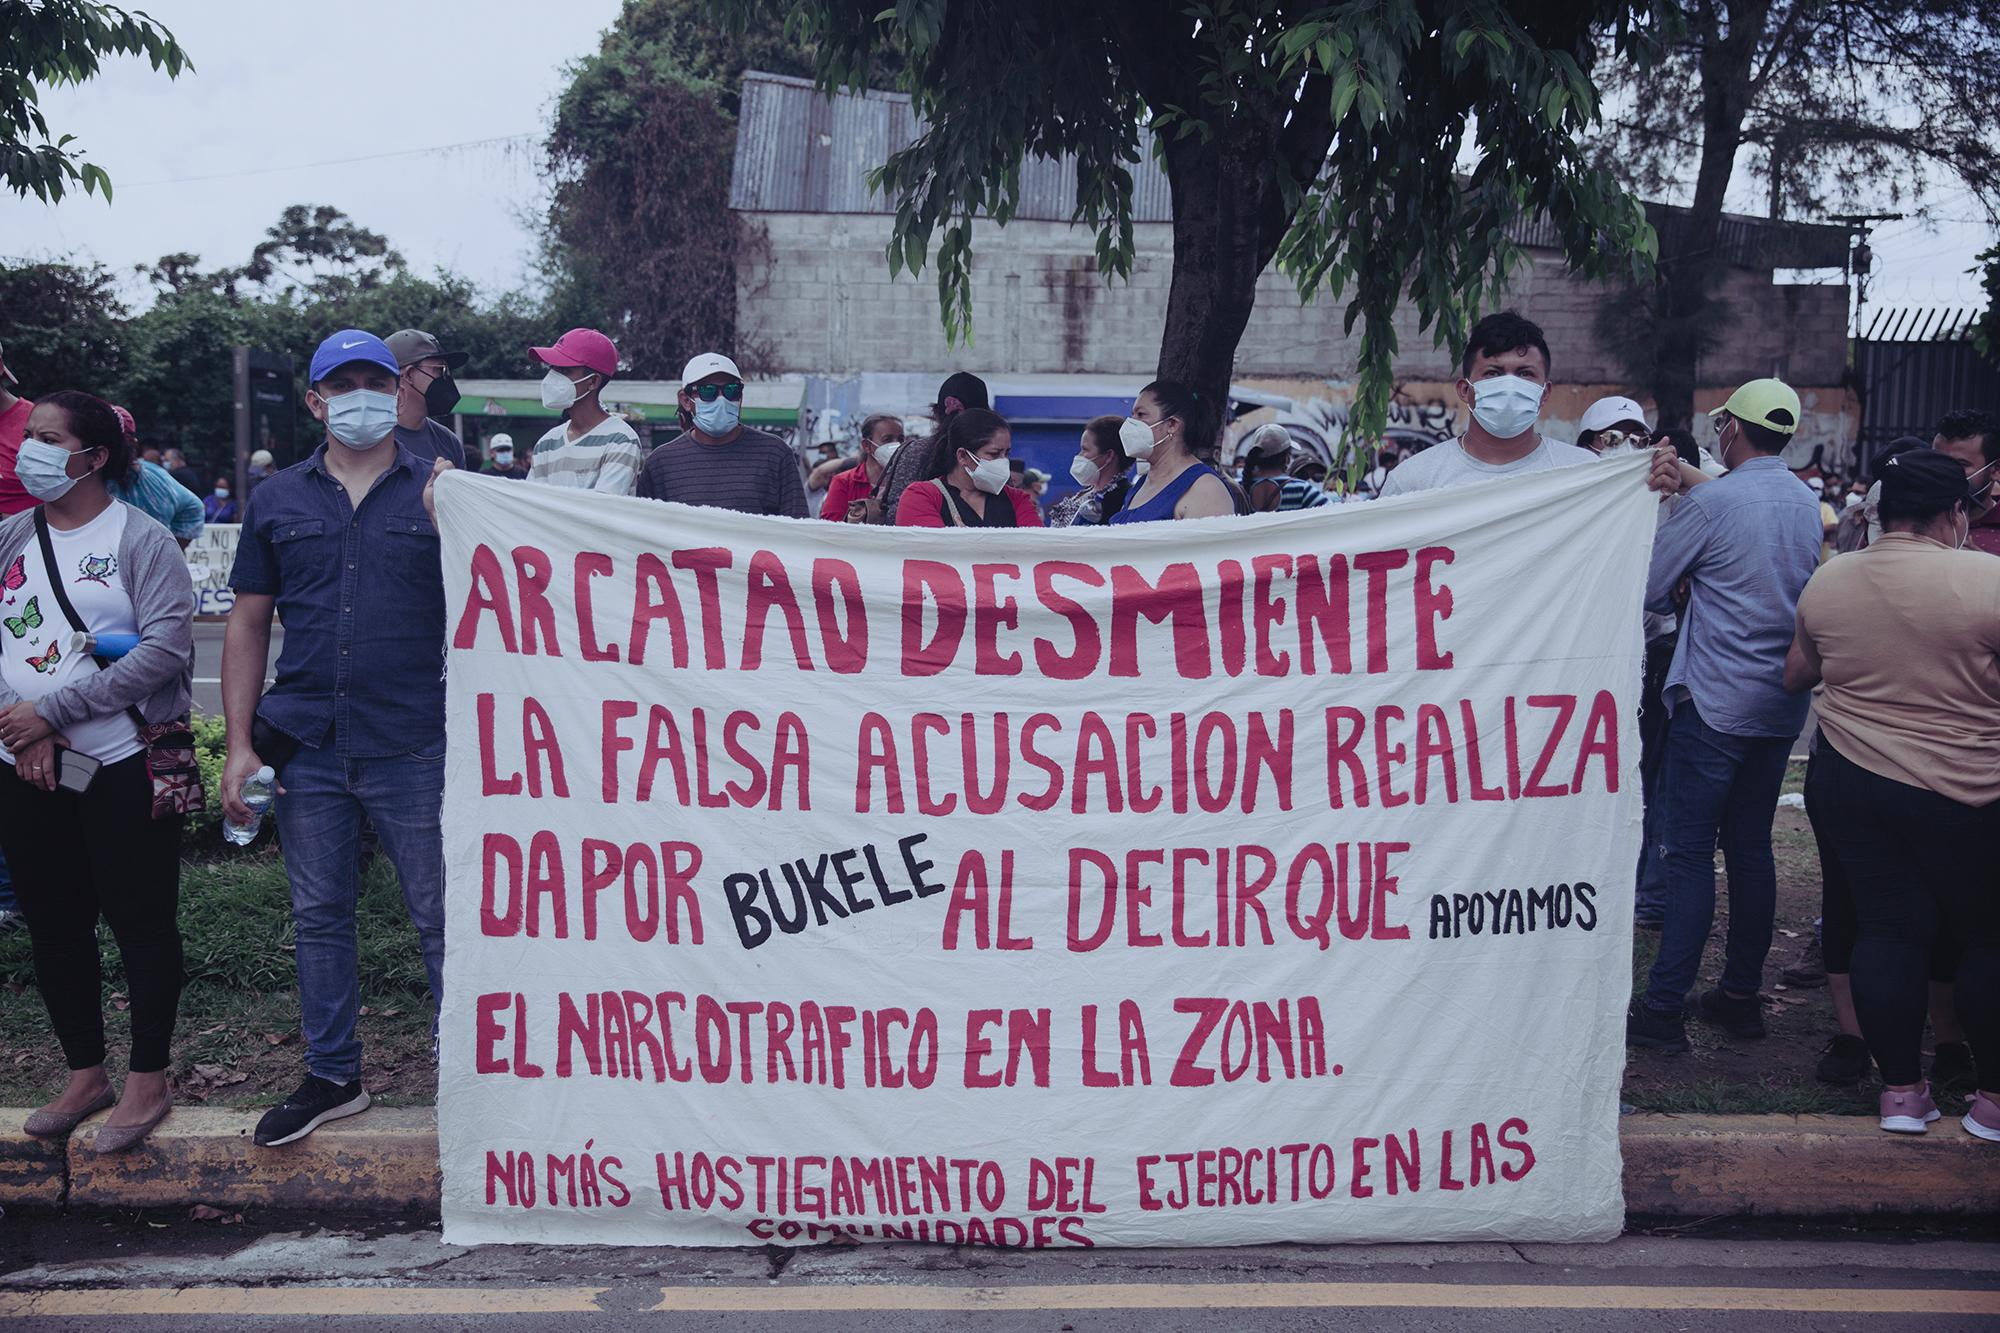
[(259, 790)]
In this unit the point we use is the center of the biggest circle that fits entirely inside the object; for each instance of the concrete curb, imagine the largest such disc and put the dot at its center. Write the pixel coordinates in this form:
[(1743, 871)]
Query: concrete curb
[(386, 1159), (32, 1170), (1804, 1166), (1675, 1166)]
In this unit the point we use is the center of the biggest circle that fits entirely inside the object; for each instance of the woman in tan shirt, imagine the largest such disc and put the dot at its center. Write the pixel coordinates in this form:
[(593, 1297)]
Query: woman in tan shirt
[(1904, 641)]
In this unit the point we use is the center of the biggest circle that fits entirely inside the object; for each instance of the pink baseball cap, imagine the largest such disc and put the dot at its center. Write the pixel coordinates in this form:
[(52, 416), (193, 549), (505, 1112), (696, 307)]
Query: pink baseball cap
[(125, 422), (581, 347)]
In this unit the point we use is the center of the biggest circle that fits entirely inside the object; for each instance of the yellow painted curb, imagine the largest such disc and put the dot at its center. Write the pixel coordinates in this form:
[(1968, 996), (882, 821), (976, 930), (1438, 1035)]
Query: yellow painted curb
[(1675, 1166), (31, 1169), (1804, 1166), (385, 1158)]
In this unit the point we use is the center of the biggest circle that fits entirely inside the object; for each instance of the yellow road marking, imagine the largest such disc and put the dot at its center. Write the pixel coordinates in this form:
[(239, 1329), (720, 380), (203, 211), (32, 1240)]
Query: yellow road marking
[(300, 1301), (413, 1302), (1326, 1295)]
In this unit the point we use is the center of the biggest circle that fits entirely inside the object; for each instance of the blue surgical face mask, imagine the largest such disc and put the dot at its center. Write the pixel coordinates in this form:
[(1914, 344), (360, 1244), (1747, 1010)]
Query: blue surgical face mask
[(1506, 406), (361, 418), (717, 418), (43, 469)]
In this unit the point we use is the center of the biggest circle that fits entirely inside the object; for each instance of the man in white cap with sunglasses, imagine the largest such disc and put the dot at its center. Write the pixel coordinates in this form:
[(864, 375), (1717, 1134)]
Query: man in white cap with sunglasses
[(718, 461)]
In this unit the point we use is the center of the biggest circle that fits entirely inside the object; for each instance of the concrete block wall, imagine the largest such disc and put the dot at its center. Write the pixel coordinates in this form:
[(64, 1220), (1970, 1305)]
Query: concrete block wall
[(814, 293)]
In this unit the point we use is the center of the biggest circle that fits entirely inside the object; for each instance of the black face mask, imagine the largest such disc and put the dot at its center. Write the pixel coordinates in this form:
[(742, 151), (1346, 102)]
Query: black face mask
[(441, 396)]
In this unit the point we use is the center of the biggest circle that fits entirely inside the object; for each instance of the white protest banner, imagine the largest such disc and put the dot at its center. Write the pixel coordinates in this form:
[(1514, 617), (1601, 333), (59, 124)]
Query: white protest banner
[(210, 557), (1197, 883)]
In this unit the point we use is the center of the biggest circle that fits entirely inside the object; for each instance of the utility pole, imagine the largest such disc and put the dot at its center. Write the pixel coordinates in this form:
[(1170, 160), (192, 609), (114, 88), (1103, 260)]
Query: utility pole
[(1861, 259)]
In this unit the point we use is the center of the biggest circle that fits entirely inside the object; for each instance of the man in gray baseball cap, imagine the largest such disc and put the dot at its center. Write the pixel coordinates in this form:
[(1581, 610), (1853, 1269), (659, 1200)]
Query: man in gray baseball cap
[(425, 391)]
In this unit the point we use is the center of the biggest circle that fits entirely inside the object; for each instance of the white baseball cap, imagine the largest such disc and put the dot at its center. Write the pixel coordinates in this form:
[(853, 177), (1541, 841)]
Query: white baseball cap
[(709, 363), (1608, 412)]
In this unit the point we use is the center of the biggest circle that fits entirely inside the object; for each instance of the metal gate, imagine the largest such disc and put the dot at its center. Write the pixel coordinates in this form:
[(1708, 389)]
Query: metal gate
[(1913, 366)]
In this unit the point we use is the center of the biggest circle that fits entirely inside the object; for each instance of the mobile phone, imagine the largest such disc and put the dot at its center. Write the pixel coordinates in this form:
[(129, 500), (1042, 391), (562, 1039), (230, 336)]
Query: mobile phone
[(75, 771)]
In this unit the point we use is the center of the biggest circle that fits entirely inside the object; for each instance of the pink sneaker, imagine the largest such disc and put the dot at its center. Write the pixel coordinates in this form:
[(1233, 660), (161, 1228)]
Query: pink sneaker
[(1982, 1118), (1909, 1112)]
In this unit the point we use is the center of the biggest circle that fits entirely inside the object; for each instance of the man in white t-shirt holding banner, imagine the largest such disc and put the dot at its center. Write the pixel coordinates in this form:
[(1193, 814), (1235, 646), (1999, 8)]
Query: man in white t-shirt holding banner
[(1504, 379)]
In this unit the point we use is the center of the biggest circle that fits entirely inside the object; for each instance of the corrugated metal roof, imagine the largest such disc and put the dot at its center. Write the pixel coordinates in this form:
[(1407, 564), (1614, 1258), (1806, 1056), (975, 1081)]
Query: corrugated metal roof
[(802, 151)]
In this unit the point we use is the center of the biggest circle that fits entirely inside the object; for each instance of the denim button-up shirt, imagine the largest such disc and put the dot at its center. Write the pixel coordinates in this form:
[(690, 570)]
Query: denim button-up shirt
[(361, 593), (1747, 542)]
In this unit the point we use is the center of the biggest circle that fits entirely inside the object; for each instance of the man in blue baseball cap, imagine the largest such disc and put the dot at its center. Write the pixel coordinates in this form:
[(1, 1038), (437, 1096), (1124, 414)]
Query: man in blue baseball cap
[(342, 548)]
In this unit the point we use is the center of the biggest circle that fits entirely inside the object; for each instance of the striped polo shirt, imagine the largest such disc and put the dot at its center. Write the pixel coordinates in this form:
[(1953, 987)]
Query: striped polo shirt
[(605, 458)]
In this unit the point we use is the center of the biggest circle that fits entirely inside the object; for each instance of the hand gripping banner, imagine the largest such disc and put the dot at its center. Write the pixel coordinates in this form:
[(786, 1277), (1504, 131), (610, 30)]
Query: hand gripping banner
[(1201, 883)]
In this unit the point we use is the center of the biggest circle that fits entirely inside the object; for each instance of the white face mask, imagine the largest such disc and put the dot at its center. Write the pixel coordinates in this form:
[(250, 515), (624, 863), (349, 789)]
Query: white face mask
[(1506, 406), (559, 390), (1083, 472), (885, 451), (990, 474), (1137, 437)]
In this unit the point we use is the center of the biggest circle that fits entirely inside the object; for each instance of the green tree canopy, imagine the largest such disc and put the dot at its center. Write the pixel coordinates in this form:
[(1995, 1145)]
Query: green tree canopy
[(62, 328), (639, 226), (1327, 137), (50, 44), (1827, 104)]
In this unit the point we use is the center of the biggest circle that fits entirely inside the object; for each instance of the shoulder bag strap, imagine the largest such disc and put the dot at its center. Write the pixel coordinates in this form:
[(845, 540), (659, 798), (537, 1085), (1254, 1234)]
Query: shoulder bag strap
[(950, 509), (69, 611)]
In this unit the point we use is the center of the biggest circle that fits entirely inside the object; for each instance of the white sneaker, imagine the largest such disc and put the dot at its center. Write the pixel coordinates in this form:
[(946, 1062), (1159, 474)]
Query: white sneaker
[(1982, 1118), (1908, 1112)]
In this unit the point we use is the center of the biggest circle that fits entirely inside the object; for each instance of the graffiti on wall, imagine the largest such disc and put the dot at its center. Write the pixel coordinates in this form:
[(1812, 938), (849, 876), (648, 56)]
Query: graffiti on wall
[(1419, 415)]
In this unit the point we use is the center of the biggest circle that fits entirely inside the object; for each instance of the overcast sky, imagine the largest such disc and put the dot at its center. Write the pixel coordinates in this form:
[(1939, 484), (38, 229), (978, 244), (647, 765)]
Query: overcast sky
[(444, 103), (285, 96)]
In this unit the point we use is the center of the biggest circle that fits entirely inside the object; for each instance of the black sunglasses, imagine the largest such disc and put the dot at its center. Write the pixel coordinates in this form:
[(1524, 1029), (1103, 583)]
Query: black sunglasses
[(733, 391)]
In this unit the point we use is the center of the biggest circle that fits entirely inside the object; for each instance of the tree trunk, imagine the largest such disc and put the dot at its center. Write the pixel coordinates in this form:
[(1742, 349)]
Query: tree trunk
[(1690, 261), (1228, 220)]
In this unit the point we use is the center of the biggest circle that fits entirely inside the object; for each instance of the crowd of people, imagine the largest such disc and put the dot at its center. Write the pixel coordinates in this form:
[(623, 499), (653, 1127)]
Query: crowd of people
[(1743, 616)]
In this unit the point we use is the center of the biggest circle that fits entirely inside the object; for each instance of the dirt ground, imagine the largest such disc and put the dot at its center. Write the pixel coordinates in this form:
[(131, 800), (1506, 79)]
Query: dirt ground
[(1776, 1072)]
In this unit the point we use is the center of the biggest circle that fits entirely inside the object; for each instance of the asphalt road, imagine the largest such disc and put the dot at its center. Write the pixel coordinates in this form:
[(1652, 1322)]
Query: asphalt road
[(208, 663), (167, 1272)]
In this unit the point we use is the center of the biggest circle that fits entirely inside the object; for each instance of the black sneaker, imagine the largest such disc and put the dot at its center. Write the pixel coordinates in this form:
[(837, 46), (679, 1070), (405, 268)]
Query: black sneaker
[(1655, 1030), (1951, 1067), (316, 1102), (1809, 972), (1739, 1018), (1844, 1061)]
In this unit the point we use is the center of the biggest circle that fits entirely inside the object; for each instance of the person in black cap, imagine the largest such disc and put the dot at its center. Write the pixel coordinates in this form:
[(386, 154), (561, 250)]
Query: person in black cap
[(1904, 784), (426, 391), (961, 389)]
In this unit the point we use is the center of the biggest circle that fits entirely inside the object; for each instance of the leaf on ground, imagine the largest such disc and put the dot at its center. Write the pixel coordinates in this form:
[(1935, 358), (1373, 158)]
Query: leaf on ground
[(280, 1038), (119, 1002), (203, 1212)]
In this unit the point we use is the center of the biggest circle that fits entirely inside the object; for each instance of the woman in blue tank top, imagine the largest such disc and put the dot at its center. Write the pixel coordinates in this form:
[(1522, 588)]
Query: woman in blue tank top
[(1168, 421)]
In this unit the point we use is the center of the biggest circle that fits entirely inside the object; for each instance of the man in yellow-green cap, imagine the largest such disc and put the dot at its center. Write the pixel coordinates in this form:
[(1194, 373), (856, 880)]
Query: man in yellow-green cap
[(1746, 543)]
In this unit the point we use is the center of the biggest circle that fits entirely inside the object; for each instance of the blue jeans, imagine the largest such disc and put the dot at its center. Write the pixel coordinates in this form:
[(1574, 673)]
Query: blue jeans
[(319, 820), (1716, 785), (8, 903)]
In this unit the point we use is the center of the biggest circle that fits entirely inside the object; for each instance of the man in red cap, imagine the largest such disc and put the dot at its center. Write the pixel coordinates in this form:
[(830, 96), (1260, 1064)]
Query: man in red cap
[(14, 411), (593, 450)]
